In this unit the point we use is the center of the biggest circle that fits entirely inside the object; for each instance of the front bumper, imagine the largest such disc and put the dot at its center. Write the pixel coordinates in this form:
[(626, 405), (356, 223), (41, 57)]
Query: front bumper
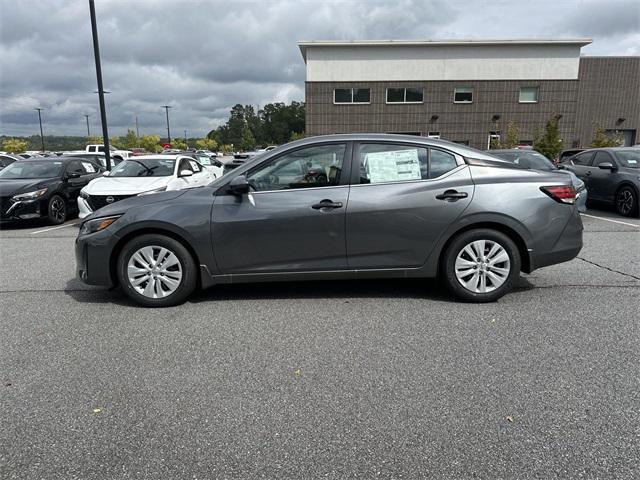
[(83, 208), (23, 210), (93, 257)]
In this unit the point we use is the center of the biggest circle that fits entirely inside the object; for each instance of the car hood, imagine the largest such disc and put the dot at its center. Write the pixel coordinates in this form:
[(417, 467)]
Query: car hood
[(22, 185), (124, 185), (122, 206)]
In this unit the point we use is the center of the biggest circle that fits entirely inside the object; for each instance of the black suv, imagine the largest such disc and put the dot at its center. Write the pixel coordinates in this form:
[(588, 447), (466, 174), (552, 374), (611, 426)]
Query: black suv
[(612, 176)]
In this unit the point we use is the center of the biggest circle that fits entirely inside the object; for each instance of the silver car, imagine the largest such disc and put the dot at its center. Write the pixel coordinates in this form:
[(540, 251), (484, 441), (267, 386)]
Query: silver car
[(339, 207)]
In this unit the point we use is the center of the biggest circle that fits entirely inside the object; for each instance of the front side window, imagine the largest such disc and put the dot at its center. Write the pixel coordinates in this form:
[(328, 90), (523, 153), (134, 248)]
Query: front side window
[(318, 166), (528, 95), (629, 158), (405, 95), (601, 157), (76, 167), (583, 158), (463, 95), (351, 95)]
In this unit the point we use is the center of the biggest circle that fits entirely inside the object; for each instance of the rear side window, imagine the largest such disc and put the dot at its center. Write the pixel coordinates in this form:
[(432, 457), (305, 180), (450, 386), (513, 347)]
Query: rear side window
[(396, 163), (583, 158)]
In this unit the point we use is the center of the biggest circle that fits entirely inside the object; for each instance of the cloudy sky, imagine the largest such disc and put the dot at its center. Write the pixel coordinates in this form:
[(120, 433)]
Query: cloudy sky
[(204, 56)]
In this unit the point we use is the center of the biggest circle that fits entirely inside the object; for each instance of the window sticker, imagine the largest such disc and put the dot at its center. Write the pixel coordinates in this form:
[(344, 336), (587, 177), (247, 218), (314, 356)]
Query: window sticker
[(393, 166), (88, 167)]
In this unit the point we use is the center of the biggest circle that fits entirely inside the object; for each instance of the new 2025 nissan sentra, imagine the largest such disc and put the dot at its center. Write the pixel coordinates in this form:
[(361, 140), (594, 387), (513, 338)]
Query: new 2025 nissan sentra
[(339, 207)]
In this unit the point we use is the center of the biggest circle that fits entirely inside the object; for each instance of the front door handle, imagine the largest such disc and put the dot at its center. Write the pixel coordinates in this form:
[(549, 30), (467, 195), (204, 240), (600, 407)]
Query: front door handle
[(588, 173), (451, 195), (326, 203)]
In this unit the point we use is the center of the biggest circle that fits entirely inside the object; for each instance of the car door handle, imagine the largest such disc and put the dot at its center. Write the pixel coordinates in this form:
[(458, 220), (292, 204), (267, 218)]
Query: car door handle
[(588, 173), (451, 195), (326, 204)]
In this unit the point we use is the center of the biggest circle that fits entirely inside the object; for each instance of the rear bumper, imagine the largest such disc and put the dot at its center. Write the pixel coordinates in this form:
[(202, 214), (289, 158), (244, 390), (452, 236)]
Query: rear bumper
[(566, 248)]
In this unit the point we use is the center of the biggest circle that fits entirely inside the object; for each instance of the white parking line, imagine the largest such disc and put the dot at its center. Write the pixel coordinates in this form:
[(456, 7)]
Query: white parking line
[(610, 220), (55, 228)]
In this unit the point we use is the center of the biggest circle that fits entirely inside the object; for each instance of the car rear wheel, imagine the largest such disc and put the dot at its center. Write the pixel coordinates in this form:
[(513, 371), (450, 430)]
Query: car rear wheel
[(57, 210), (627, 202), (481, 265), (156, 271)]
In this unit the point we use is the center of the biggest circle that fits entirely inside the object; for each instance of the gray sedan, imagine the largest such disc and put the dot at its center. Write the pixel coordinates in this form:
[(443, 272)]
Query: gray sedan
[(339, 207)]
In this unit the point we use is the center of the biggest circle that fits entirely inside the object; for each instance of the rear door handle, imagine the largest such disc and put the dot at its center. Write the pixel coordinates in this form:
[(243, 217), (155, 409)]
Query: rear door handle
[(451, 195), (326, 203)]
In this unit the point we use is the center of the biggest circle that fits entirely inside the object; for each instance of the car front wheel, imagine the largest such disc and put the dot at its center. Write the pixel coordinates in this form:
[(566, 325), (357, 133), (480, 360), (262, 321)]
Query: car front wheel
[(481, 265), (627, 202), (156, 271), (57, 210)]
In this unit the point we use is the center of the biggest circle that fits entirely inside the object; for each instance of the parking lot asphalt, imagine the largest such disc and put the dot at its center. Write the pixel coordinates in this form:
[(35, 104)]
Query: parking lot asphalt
[(375, 379)]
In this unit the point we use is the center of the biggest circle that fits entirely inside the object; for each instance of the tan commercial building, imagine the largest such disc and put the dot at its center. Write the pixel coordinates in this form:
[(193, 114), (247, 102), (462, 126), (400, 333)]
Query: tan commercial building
[(467, 91)]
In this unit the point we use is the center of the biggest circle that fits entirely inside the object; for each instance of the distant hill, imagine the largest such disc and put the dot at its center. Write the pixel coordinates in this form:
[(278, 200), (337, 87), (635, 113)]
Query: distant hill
[(51, 142)]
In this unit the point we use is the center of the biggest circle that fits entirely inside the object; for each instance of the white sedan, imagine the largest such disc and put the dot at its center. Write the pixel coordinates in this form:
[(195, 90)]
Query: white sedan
[(141, 176)]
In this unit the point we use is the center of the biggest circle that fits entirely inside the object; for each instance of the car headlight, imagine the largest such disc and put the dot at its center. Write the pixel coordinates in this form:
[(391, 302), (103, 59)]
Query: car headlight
[(161, 189), (97, 224), (29, 195)]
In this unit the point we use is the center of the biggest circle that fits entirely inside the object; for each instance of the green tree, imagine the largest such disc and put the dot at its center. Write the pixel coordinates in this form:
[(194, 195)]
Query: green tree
[(513, 136), (602, 140), (206, 144), (296, 136), (549, 142), (151, 143), (14, 145), (94, 140), (247, 141), (178, 143), (130, 140)]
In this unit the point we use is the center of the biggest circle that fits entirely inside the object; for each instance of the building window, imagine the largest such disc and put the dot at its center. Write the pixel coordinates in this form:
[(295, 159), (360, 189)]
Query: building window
[(405, 95), (463, 95), (433, 135), (351, 95), (528, 95)]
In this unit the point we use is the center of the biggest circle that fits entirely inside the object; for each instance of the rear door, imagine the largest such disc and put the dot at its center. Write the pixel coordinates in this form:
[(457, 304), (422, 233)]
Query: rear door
[(292, 220), (581, 166), (402, 198)]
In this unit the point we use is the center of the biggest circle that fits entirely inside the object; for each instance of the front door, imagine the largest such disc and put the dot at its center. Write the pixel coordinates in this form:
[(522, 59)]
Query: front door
[(402, 200), (293, 219), (602, 184)]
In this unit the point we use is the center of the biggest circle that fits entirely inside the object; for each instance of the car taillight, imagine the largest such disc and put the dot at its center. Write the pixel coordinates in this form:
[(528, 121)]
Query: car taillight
[(561, 194)]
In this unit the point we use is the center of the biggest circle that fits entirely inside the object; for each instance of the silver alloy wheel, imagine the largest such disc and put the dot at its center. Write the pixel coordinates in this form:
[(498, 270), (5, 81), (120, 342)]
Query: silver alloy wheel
[(154, 271), (57, 209), (625, 201), (482, 266)]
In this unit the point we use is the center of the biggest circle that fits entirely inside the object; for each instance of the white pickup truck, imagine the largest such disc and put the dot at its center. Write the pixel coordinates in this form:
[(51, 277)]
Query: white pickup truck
[(117, 155)]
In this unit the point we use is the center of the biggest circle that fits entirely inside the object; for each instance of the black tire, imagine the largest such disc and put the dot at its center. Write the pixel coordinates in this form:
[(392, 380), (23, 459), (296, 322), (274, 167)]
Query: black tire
[(189, 271), (627, 202), (57, 210), (448, 262)]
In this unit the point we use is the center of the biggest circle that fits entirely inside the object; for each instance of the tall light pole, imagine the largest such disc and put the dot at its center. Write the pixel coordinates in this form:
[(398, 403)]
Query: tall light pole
[(166, 109), (88, 131), (185, 139), (137, 131), (103, 111), (40, 120)]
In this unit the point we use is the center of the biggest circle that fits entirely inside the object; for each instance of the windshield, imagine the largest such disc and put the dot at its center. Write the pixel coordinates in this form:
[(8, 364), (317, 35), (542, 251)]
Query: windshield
[(144, 167), (44, 169), (527, 159), (629, 158)]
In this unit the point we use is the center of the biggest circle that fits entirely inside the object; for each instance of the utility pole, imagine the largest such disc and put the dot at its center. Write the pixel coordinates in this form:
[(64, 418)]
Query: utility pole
[(137, 131), (88, 131), (103, 111), (40, 120), (166, 109), (185, 139)]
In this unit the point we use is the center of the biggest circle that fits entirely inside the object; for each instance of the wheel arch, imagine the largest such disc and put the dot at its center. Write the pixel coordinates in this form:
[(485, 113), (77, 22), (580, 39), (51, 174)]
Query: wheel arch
[(115, 252), (525, 260)]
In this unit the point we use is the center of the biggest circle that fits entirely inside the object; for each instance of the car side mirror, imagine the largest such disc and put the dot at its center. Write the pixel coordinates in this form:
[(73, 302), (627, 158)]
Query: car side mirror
[(606, 166), (239, 185), (185, 173)]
